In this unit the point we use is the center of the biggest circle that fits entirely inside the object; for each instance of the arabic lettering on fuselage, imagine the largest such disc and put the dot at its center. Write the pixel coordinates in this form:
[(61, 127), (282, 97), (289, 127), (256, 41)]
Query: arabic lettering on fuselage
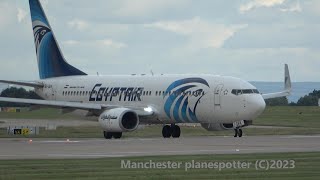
[(100, 93)]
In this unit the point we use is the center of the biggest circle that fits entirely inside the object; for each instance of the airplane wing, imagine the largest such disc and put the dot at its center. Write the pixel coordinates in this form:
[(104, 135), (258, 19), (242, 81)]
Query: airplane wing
[(141, 111), (287, 86), (23, 83)]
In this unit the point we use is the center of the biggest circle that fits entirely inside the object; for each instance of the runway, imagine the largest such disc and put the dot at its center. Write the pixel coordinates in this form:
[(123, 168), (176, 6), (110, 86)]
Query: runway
[(101, 148)]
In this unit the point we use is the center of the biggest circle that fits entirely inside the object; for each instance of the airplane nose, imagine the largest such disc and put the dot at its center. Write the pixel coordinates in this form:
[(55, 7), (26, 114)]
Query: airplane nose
[(259, 105), (256, 105)]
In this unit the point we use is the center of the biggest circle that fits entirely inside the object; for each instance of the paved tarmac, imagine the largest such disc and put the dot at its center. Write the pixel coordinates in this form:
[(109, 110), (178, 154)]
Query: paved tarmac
[(13, 148)]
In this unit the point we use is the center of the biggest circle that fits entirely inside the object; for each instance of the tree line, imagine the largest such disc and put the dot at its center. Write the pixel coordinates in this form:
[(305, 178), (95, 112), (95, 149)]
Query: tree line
[(310, 99), (15, 92)]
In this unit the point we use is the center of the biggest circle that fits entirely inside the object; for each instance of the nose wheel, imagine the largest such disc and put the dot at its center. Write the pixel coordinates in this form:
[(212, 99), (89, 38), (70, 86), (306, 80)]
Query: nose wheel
[(171, 131), (238, 132)]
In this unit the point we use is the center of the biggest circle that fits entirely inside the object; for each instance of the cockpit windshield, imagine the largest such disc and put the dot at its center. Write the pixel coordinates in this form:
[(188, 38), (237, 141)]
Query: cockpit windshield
[(244, 91)]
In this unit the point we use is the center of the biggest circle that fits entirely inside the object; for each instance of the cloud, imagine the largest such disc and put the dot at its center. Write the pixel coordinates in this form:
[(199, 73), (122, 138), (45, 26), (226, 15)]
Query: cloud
[(78, 24), (259, 3), (111, 43), (6, 14), (292, 8), (71, 42), (201, 33), (21, 15), (104, 43), (144, 7)]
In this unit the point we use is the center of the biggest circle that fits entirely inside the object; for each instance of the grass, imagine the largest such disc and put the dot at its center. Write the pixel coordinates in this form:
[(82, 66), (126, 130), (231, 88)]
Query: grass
[(45, 113), (307, 166), (301, 120), (292, 116), (155, 131)]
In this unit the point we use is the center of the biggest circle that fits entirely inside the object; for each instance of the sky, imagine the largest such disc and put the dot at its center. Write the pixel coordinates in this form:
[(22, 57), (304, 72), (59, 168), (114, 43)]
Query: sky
[(249, 39)]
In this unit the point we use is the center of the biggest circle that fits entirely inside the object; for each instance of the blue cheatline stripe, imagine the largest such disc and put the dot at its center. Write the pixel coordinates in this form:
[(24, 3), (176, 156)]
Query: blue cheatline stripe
[(176, 109)]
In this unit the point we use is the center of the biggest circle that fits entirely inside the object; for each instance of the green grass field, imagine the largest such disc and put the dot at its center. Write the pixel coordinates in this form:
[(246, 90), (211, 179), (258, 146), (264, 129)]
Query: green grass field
[(301, 120), (307, 166)]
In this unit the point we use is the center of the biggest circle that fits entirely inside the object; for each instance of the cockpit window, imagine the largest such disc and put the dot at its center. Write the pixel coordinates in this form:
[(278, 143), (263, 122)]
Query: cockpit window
[(244, 91), (247, 91)]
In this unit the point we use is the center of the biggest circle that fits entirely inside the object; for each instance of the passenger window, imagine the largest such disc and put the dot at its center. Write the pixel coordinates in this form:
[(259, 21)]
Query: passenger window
[(239, 91), (234, 91)]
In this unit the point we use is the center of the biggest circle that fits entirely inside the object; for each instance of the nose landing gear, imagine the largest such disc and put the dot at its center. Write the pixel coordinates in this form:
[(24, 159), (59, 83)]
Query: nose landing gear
[(238, 132)]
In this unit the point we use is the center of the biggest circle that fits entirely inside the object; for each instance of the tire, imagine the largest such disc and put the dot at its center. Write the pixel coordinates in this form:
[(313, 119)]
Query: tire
[(166, 131), (235, 133), (117, 135), (240, 133), (176, 131), (107, 135)]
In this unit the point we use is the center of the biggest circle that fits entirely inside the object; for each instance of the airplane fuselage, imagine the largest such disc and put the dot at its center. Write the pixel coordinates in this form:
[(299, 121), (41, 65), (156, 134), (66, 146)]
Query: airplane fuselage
[(174, 98)]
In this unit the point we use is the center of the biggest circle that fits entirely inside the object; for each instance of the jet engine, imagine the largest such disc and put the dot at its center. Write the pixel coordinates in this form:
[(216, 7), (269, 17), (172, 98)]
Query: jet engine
[(223, 126), (119, 120)]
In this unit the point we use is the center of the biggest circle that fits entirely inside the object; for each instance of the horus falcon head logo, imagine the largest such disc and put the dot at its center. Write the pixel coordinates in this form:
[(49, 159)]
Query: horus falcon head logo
[(182, 98)]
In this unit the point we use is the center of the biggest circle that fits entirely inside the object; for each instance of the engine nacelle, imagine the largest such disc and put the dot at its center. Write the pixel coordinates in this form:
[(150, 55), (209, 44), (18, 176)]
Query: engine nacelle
[(119, 120), (223, 126)]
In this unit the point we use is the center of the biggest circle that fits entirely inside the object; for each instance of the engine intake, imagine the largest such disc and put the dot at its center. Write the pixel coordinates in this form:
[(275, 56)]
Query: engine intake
[(119, 120)]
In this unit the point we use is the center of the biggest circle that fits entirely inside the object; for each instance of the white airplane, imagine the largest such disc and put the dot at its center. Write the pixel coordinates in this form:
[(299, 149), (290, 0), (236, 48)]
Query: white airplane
[(123, 102)]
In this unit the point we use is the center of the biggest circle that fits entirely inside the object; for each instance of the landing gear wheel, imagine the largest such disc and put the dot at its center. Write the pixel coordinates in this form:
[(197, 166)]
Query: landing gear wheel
[(117, 135), (175, 131), (107, 135), (235, 133), (239, 132), (166, 131)]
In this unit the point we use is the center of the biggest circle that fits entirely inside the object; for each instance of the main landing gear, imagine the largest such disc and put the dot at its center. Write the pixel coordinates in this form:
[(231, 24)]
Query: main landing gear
[(238, 132), (173, 130), (109, 135)]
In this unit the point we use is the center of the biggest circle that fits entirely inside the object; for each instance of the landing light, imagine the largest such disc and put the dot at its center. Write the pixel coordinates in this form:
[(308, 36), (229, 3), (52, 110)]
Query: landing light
[(148, 109)]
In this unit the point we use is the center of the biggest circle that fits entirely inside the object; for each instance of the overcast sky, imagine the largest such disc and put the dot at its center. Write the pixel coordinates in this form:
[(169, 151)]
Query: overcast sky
[(250, 39)]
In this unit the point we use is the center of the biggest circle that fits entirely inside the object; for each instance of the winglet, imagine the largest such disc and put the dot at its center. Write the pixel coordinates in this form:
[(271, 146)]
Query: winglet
[(287, 79), (287, 86)]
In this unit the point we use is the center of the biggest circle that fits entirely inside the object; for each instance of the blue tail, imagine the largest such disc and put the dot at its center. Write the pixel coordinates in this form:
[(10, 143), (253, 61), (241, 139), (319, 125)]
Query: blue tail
[(51, 62)]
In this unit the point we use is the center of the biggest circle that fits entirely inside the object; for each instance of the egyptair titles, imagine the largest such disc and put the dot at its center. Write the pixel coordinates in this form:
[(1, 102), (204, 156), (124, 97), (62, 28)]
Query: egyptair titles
[(100, 93)]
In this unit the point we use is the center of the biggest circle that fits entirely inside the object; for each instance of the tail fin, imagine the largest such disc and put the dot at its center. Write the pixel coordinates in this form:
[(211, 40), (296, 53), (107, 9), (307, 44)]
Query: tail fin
[(51, 62)]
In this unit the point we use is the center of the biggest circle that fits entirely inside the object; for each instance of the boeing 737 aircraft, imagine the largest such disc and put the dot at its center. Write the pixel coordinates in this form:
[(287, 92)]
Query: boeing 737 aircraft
[(122, 102)]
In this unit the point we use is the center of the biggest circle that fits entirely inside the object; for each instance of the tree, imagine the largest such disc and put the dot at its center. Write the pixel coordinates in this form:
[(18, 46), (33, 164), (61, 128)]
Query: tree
[(280, 101), (309, 100), (17, 93)]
